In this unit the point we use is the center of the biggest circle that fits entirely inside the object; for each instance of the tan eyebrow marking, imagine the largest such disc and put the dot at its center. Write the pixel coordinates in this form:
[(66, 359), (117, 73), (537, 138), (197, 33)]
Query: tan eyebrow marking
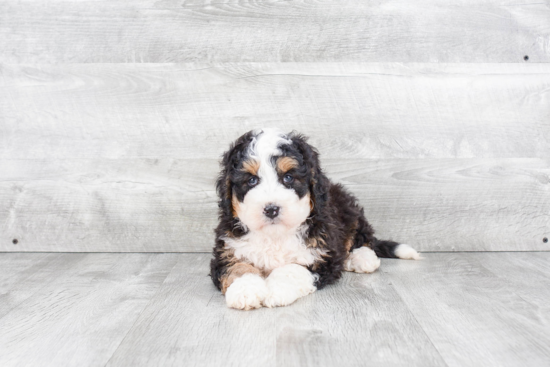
[(251, 166), (285, 164)]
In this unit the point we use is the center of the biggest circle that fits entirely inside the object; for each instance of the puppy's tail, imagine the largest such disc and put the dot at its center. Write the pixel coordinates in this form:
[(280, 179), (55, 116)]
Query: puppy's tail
[(395, 250)]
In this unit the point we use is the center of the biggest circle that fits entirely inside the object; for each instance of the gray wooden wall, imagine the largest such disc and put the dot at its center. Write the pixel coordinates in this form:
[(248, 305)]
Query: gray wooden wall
[(113, 115)]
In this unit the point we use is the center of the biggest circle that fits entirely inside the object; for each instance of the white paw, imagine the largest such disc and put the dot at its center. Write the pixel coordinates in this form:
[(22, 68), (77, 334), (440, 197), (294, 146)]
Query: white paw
[(362, 260), (288, 283), (246, 292), (406, 252)]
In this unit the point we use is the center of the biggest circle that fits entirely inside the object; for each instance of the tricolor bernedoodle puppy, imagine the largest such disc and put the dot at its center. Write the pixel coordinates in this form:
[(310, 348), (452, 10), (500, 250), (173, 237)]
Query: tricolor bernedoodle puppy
[(285, 229)]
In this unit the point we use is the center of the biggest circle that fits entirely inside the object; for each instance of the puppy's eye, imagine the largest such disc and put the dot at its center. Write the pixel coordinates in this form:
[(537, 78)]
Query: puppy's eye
[(253, 181), (288, 179)]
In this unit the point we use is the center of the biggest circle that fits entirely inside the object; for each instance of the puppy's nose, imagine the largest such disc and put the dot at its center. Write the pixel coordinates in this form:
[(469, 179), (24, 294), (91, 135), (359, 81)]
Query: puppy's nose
[(271, 211)]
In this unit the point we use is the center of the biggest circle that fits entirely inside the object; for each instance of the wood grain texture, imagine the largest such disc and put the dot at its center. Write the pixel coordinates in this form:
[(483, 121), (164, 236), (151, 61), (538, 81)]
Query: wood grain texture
[(188, 321), (350, 110), (108, 205), (81, 318), (281, 31), (25, 274), (514, 267), (474, 309), (473, 316), (362, 318), (455, 204), (158, 205)]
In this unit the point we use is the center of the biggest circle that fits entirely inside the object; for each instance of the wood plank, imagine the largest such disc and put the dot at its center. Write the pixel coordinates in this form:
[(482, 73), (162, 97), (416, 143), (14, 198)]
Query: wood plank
[(15, 264), (472, 316), (81, 318), (188, 320), (515, 267), (23, 275), (360, 319), (455, 204), (169, 205), (108, 205), (280, 31), (350, 110), (475, 309)]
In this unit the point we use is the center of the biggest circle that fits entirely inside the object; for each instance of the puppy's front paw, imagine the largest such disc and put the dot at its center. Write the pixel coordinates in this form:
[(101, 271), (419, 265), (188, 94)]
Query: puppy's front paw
[(288, 283), (246, 292)]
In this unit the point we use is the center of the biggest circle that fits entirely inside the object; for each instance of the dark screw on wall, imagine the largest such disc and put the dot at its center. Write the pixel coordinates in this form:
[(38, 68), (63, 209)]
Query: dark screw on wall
[(526, 58), (545, 240), (15, 241)]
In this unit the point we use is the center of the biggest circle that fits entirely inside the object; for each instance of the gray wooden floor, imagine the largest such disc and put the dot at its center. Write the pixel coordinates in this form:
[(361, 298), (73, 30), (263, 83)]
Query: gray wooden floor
[(97, 309)]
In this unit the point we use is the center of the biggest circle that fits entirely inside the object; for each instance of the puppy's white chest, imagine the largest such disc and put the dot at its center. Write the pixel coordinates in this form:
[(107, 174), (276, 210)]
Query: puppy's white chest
[(270, 252)]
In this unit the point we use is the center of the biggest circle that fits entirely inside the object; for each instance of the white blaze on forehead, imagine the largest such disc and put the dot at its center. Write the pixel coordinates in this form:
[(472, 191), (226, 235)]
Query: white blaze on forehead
[(266, 145), (262, 148)]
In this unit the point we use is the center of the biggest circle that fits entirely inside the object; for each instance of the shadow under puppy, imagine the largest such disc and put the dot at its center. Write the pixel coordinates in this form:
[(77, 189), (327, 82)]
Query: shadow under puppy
[(285, 229)]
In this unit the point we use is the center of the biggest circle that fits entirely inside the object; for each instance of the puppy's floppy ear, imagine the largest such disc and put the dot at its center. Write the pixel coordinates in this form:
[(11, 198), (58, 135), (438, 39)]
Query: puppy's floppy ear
[(229, 162), (319, 184)]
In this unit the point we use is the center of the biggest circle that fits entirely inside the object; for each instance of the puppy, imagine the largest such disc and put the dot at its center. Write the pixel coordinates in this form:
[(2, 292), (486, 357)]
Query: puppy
[(285, 229)]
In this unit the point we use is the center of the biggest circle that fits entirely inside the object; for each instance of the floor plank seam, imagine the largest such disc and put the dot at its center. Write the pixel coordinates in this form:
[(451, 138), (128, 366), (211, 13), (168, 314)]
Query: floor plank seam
[(415, 319), (39, 289), (141, 312)]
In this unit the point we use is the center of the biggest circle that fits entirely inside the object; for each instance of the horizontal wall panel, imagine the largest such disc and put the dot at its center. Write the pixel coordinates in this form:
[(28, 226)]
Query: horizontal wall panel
[(288, 31), (351, 110), (468, 204), (102, 205)]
